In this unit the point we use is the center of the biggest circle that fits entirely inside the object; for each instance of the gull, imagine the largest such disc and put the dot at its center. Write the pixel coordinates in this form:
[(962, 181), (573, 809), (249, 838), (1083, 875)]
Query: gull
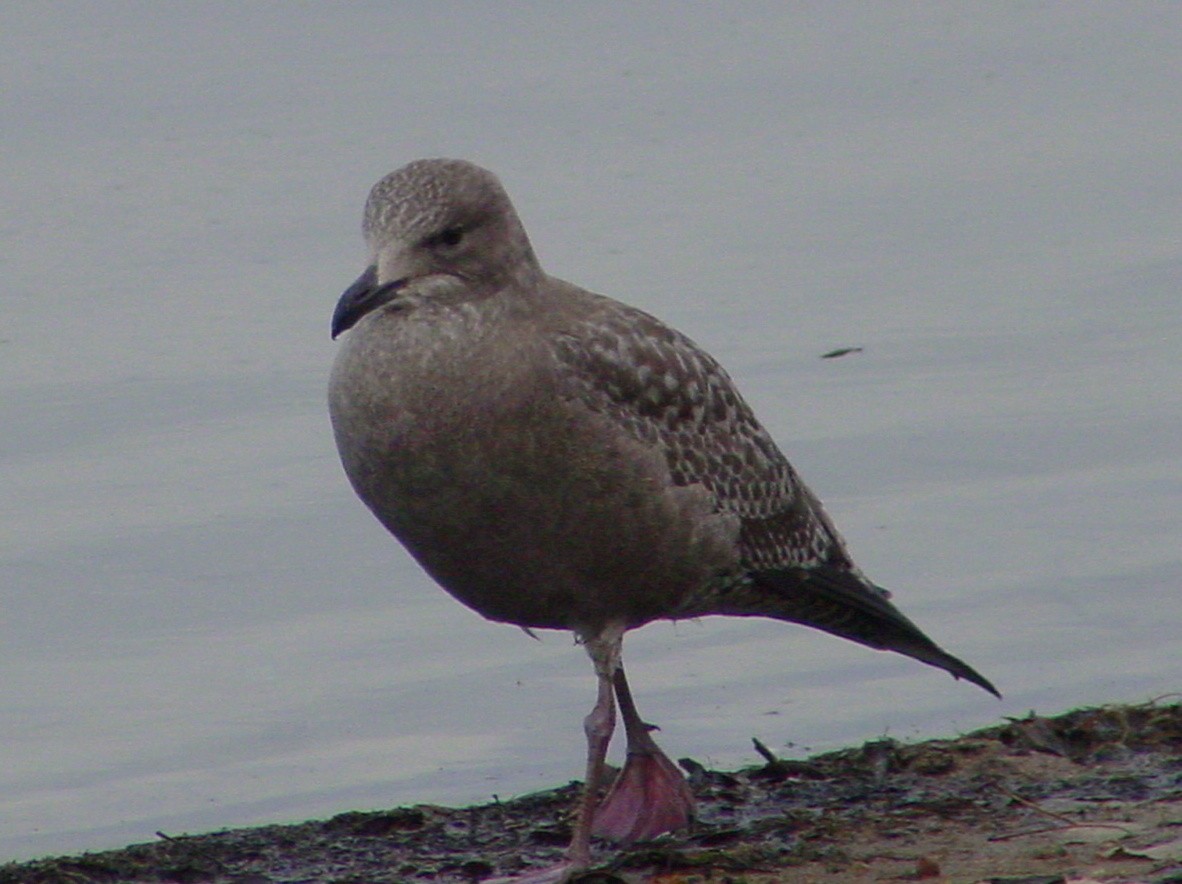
[(556, 459)]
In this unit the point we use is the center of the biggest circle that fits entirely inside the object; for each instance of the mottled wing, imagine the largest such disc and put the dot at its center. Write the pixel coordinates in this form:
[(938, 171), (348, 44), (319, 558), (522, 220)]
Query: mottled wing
[(666, 391)]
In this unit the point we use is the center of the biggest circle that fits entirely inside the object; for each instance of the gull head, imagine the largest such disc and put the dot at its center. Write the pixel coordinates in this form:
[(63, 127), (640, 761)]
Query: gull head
[(437, 229)]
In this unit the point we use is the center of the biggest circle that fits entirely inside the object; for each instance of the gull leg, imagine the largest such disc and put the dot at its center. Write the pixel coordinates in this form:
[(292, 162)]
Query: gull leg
[(650, 796), (599, 724)]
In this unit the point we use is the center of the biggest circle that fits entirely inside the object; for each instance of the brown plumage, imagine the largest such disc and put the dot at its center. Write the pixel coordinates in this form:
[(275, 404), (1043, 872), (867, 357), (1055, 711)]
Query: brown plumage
[(557, 459)]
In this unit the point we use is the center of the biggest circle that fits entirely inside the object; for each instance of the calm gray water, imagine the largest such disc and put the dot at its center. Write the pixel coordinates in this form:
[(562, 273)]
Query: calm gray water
[(201, 627)]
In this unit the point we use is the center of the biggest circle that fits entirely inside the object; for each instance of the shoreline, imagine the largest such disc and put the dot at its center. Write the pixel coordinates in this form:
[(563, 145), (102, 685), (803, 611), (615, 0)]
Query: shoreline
[(1092, 794)]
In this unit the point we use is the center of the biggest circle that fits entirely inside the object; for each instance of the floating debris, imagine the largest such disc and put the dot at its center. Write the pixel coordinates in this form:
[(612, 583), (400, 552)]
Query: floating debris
[(841, 351)]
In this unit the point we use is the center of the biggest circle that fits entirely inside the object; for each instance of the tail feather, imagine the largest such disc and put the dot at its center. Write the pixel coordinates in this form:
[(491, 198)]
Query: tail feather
[(839, 602)]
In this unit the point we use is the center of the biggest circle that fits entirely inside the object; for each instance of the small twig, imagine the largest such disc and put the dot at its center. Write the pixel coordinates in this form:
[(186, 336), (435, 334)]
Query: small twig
[(767, 754), (1153, 701), (1065, 821), (1025, 832), (194, 849)]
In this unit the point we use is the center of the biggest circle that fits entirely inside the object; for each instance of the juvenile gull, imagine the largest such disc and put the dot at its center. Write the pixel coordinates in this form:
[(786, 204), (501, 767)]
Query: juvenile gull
[(559, 460)]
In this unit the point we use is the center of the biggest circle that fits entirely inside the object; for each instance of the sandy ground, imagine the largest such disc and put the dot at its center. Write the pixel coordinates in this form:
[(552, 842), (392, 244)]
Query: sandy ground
[(1092, 795)]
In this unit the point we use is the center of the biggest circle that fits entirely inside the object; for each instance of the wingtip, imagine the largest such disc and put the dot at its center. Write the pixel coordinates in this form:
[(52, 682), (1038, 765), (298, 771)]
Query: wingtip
[(970, 674)]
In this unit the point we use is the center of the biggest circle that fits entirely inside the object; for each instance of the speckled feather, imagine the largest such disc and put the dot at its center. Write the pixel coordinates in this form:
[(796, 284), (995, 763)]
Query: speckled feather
[(667, 392)]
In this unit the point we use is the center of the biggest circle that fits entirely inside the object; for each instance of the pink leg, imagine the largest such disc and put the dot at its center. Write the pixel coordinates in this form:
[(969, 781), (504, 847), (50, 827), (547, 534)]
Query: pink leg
[(604, 650), (598, 726), (650, 796)]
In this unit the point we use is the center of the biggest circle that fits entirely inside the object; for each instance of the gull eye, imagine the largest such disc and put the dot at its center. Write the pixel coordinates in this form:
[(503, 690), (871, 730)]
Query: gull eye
[(448, 237)]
